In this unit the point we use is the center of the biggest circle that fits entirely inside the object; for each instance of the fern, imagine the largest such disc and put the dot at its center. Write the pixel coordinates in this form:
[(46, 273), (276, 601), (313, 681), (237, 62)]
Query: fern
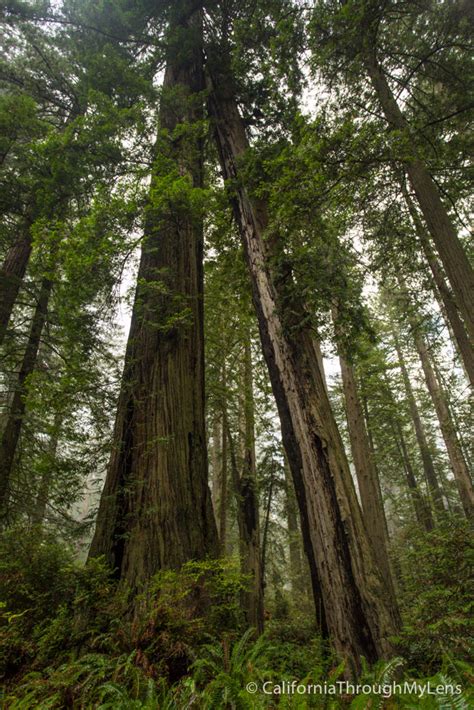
[(387, 672)]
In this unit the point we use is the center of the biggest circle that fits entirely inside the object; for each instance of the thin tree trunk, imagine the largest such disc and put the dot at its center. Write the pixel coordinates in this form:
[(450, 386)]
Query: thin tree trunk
[(428, 465), (465, 448), (440, 226), (216, 462), (456, 458), (11, 275), (359, 613), (245, 489), (421, 507), (320, 359), (296, 566), (370, 437), (12, 431), (266, 523), (155, 511), (223, 486), (223, 474), (445, 296), (42, 497), (249, 501), (366, 471)]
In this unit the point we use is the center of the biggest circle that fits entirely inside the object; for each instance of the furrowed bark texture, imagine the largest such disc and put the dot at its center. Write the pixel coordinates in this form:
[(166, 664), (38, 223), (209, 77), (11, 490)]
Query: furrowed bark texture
[(366, 471), (156, 511), (359, 615)]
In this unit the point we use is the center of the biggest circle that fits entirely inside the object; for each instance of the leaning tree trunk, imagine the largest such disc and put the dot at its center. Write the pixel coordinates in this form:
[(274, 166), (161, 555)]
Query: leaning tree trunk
[(294, 537), (445, 296), (421, 507), (366, 471), (16, 260), (360, 616), (440, 226), (155, 511), (11, 275), (13, 426), (455, 454), (427, 459)]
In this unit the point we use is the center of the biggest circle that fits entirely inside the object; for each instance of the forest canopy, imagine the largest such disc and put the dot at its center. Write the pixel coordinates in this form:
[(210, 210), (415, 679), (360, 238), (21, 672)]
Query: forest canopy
[(236, 354)]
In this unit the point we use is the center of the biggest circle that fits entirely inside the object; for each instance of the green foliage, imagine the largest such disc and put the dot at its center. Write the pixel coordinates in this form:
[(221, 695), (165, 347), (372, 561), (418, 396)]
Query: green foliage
[(296, 647), (78, 110), (44, 597), (69, 639), (68, 635), (224, 669), (436, 587)]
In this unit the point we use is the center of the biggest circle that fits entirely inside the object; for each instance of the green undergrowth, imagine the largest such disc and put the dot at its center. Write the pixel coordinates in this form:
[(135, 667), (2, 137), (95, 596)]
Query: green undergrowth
[(69, 638)]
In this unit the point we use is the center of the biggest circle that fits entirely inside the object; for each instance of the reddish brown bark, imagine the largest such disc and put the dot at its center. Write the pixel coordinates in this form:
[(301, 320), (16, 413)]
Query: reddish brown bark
[(359, 614), (155, 511)]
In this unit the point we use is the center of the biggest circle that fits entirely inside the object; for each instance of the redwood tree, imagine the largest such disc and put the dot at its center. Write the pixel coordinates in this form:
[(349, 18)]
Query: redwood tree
[(360, 616), (155, 511)]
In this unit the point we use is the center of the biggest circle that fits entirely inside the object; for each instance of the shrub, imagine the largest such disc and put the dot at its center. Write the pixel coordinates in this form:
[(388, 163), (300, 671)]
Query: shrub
[(436, 595)]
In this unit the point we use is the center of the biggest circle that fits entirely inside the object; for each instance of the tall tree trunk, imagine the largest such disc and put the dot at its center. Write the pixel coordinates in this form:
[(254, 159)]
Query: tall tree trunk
[(464, 445), (440, 226), (455, 454), (44, 488), (296, 563), (266, 523), (366, 471), (359, 613), (248, 517), (11, 275), (155, 511), (445, 296), (223, 502), (216, 459), (428, 465), (420, 504), (250, 540), (12, 431)]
